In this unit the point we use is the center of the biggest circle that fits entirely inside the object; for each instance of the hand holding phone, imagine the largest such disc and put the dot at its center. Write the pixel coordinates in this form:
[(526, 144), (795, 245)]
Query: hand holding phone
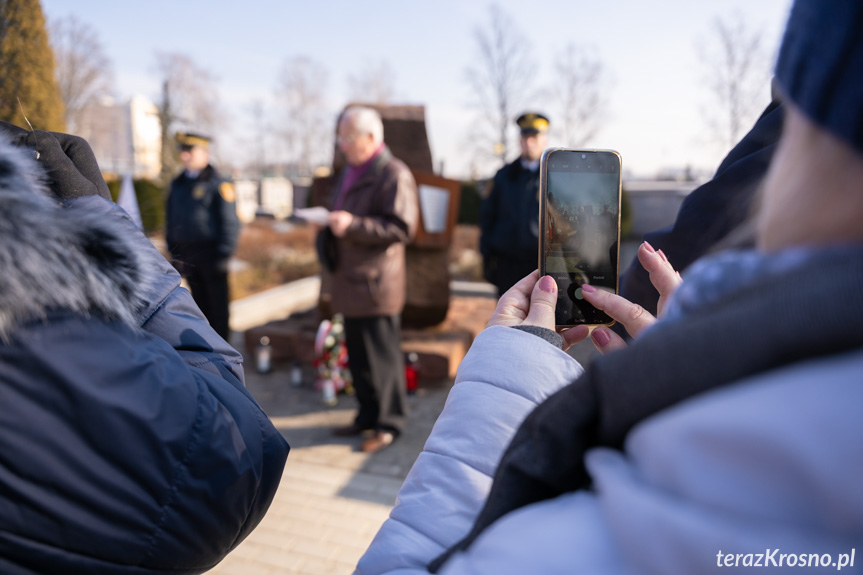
[(579, 225), (632, 316)]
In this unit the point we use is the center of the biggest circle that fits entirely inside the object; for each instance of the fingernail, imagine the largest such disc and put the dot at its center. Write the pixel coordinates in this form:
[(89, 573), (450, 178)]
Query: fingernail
[(600, 337), (546, 284), (588, 288), (648, 247), (662, 255)]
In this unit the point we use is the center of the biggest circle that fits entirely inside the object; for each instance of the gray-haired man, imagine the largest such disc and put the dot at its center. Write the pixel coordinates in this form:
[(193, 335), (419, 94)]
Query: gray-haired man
[(374, 214)]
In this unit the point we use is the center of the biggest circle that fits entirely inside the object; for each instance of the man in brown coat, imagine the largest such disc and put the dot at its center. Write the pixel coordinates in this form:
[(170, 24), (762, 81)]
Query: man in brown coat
[(374, 214)]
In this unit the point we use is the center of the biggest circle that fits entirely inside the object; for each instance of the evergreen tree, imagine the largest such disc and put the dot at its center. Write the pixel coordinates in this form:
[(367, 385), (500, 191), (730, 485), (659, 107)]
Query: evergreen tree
[(27, 68)]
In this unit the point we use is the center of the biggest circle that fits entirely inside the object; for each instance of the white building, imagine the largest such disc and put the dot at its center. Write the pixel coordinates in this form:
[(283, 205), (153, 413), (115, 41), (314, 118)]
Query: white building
[(126, 138), (247, 199), (277, 197), (270, 196), (146, 138)]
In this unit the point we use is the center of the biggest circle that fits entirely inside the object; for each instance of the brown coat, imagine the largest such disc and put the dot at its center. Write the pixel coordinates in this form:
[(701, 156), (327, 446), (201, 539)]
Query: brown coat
[(368, 274)]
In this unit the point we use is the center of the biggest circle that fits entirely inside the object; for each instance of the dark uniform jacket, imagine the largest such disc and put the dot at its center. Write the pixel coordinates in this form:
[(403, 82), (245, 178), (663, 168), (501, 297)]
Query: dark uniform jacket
[(128, 442), (201, 218), (509, 223), (366, 275)]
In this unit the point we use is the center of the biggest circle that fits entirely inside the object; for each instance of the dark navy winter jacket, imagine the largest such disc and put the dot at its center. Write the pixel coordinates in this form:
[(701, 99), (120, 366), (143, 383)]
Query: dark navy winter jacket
[(128, 442)]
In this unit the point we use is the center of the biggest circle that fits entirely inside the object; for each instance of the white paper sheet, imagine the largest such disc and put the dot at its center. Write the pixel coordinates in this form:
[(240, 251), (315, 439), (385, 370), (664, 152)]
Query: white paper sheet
[(317, 215)]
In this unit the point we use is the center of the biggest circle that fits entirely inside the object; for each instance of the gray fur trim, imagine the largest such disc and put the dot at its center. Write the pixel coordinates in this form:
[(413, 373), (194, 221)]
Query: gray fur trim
[(53, 258)]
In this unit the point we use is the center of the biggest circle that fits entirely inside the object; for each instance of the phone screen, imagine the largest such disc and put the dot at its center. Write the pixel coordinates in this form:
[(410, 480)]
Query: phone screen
[(580, 228)]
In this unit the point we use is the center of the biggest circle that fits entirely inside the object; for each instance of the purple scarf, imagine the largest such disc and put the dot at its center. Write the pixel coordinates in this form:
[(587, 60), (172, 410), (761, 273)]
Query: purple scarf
[(353, 174)]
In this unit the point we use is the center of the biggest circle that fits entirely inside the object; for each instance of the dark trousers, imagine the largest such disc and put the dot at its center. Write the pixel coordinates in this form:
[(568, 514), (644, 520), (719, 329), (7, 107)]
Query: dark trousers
[(378, 370), (510, 270), (208, 283)]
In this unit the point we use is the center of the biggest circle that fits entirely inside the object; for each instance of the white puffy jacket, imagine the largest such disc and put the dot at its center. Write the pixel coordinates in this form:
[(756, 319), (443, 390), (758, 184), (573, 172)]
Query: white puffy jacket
[(767, 471)]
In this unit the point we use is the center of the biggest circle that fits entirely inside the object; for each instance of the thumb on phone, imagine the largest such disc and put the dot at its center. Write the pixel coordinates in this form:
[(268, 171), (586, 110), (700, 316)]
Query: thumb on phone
[(543, 299)]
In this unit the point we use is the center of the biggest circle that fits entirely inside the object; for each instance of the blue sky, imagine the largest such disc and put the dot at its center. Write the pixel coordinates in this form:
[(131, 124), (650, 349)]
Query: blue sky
[(650, 49)]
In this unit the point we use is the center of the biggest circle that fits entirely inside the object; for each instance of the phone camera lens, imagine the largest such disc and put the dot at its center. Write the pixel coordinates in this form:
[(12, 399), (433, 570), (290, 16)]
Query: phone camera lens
[(583, 156)]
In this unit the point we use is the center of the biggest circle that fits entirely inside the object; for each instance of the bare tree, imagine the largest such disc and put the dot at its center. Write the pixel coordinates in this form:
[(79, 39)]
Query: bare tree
[(301, 96), (502, 81), (83, 71), (189, 101), (738, 67), (374, 84), (580, 80)]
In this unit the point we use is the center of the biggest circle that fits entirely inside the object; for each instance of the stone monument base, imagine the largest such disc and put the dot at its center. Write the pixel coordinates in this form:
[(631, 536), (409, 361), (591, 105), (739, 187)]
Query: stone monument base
[(440, 348)]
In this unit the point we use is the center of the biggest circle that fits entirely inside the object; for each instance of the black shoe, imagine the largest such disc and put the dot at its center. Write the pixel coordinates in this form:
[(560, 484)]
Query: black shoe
[(350, 430)]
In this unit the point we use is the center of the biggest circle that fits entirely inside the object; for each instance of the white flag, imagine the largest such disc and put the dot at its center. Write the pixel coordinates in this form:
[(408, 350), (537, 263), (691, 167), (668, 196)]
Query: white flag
[(128, 201)]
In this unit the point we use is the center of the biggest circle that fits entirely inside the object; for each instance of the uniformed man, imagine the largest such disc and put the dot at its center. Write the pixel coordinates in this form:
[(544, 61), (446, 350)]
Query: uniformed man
[(202, 229), (509, 216)]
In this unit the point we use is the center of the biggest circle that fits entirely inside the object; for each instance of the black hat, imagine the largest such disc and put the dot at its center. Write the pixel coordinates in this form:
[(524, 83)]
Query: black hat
[(820, 66), (531, 123), (189, 140)]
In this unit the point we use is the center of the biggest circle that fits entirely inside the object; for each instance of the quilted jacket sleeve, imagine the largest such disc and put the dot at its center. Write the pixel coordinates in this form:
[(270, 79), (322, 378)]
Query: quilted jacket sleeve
[(505, 374), (169, 312), (227, 411), (129, 450)]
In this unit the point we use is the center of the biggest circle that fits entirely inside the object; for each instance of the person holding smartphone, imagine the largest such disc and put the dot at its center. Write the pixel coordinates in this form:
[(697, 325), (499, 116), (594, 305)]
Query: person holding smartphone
[(726, 434)]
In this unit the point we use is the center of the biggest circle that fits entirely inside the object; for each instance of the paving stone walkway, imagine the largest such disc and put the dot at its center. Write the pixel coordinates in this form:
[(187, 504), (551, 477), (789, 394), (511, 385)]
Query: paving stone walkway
[(333, 498)]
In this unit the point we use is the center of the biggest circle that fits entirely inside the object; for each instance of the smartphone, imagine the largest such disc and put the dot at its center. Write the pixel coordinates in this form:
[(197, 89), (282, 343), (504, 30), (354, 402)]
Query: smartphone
[(579, 222)]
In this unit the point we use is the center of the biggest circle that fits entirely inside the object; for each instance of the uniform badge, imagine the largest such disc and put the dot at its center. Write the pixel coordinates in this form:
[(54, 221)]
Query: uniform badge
[(199, 191), (226, 190)]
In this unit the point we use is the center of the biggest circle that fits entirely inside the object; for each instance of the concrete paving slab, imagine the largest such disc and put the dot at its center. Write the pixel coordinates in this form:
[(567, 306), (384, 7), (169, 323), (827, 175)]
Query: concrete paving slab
[(332, 498)]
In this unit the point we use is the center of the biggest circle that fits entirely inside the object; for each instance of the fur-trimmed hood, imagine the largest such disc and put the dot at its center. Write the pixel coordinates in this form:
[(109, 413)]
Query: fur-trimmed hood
[(55, 257)]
